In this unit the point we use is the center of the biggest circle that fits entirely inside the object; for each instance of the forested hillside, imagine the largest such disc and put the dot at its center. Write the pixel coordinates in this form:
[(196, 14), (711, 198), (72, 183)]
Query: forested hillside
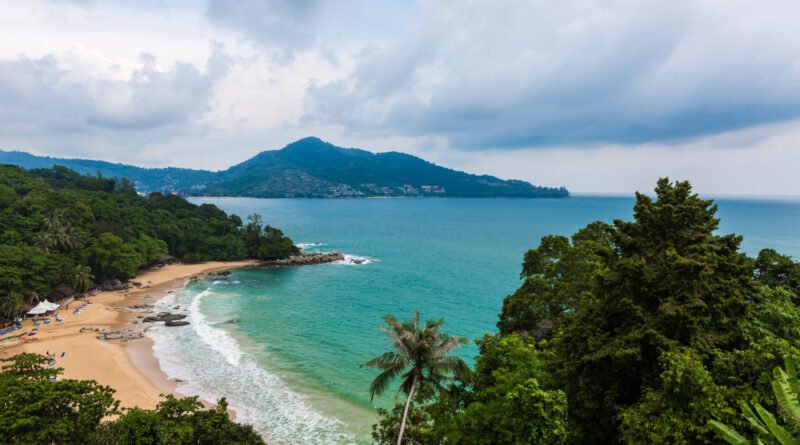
[(59, 227), (314, 168), (308, 168)]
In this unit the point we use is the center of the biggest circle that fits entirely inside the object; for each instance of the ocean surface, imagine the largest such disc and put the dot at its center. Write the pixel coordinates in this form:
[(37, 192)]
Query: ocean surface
[(284, 345)]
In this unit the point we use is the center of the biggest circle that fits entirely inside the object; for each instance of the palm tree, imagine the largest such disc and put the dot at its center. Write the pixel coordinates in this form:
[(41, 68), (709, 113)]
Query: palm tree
[(57, 232), (420, 356), (12, 305), (33, 297), (83, 278)]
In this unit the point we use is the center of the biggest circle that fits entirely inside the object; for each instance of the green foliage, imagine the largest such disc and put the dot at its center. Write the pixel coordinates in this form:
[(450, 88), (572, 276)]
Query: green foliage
[(764, 424), (111, 257), (418, 426), (420, 357), (776, 270), (82, 278), (37, 407), (508, 402), (54, 223), (265, 242), (34, 409), (650, 327), (179, 422)]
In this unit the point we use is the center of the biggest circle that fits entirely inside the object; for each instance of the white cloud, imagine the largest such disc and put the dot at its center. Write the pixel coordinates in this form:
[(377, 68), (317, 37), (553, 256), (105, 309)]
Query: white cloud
[(597, 96)]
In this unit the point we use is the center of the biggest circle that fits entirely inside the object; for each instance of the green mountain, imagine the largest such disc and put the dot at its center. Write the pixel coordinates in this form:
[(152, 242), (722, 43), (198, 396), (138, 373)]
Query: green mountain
[(308, 168), (147, 179)]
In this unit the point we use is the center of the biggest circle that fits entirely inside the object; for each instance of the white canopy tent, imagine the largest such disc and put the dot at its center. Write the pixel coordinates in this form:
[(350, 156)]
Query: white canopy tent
[(43, 307)]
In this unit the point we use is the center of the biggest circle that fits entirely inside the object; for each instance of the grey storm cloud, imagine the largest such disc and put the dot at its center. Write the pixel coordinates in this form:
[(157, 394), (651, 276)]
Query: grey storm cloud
[(537, 73), (284, 24), (40, 96)]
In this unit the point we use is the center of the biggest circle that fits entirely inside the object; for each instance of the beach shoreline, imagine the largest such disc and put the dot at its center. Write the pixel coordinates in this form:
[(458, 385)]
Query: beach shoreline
[(128, 366)]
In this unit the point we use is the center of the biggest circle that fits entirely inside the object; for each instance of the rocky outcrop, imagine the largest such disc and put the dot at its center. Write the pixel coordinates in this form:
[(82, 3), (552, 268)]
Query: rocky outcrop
[(113, 285), (173, 323), (303, 259), (120, 334), (163, 316)]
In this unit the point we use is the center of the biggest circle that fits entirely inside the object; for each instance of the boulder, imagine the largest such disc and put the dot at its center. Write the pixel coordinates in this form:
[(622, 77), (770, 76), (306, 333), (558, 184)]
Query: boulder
[(113, 285), (173, 323), (164, 316)]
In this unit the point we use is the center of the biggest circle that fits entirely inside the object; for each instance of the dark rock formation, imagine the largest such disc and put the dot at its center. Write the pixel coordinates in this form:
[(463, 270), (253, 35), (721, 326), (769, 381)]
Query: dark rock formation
[(303, 259), (120, 334), (173, 323), (163, 316), (112, 285)]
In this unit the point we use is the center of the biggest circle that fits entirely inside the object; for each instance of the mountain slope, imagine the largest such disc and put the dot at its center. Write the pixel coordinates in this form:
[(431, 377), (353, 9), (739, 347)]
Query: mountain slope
[(147, 179), (309, 168), (314, 168)]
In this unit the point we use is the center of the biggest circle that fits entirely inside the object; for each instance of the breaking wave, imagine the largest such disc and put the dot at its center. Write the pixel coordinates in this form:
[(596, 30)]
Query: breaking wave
[(209, 362)]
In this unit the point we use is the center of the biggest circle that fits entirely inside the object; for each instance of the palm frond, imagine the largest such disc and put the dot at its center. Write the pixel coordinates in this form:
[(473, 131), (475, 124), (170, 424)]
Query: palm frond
[(381, 382)]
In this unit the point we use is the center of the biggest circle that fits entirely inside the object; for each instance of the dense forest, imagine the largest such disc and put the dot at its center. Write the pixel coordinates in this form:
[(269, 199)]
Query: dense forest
[(58, 227), (657, 330)]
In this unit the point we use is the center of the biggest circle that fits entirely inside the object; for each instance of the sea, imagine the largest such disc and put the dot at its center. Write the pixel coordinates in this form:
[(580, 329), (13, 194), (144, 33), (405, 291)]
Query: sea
[(285, 346)]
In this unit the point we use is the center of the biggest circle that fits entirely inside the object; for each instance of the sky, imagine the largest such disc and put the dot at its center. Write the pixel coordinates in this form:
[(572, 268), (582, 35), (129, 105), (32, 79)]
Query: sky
[(598, 96)]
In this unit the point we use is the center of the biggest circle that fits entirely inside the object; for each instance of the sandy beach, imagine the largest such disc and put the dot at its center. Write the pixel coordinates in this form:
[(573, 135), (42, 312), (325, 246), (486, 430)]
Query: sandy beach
[(129, 367)]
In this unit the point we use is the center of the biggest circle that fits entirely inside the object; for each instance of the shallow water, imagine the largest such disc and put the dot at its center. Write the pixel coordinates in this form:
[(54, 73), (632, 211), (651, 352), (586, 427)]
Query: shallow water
[(290, 366)]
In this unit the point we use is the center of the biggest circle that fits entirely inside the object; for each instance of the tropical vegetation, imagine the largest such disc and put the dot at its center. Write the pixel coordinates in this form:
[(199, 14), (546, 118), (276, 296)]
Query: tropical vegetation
[(38, 407), (58, 227), (635, 332), (420, 356)]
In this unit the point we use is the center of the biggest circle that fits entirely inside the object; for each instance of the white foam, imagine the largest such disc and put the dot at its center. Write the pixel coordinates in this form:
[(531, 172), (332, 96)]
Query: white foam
[(303, 246), (217, 339), (211, 364), (356, 260)]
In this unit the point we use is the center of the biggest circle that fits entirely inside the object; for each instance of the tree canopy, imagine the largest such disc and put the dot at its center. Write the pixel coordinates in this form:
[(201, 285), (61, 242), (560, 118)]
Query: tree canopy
[(54, 223), (635, 332), (36, 406)]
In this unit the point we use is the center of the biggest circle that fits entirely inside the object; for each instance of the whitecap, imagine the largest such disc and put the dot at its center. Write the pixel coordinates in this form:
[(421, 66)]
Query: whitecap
[(303, 246), (356, 260)]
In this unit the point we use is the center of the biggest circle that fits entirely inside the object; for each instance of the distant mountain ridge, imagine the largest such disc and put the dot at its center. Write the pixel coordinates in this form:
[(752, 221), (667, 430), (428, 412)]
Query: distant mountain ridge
[(307, 168)]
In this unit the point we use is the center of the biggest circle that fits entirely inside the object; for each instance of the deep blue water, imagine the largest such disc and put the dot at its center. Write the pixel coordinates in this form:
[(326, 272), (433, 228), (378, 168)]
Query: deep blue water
[(305, 331)]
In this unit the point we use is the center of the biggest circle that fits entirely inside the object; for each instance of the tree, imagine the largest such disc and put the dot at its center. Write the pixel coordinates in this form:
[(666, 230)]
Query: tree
[(11, 305), (651, 327), (34, 409), (787, 393), (38, 407), (510, 400), (668, 282), (178, 422), (83, 278), (420, 357), (111, 257), (57, 233), (774, 269)]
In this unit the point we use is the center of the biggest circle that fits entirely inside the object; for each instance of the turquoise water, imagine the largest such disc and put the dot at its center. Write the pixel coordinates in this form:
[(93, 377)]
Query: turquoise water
[(291, 364)]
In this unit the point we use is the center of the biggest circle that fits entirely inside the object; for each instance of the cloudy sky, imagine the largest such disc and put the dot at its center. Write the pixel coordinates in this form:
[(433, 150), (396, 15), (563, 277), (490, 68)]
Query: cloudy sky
[(599, 96)]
